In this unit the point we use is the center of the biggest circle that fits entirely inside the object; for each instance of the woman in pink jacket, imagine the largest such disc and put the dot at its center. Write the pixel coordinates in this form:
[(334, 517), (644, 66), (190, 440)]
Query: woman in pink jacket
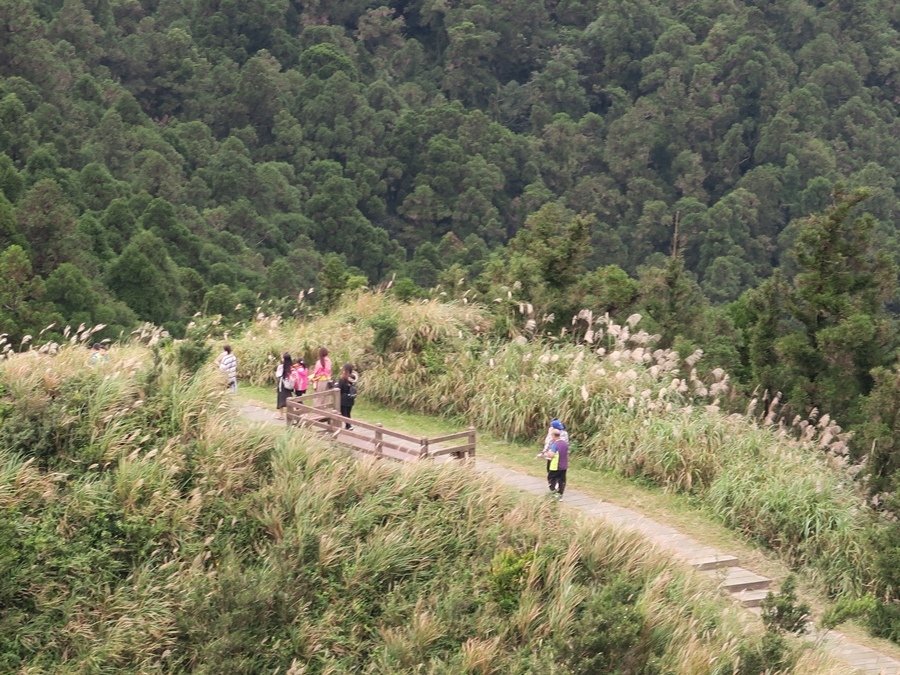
[(322, 372), (300, 377)]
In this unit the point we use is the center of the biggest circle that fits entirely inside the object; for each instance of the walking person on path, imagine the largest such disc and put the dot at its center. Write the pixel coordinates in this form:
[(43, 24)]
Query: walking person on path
[(284, 387), (227, 363), (322, 371), (557, 456), (347, 385)]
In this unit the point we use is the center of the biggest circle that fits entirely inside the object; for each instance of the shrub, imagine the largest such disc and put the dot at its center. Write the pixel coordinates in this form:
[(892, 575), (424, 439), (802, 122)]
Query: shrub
[(507, 577), (884, 621), (608, 637), (770, 654), (782, 612), (385, 327), (192, 353)]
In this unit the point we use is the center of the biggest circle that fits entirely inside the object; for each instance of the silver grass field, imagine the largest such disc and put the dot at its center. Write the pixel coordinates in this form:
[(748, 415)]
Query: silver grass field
[(147, 528), (641, 411)]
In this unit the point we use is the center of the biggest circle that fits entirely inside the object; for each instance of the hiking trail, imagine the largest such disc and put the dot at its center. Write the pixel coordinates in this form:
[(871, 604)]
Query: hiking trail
[(743, 585)]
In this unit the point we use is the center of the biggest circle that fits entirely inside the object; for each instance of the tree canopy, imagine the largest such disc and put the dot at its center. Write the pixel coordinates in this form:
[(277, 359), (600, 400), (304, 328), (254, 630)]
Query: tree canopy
[(695, 161)]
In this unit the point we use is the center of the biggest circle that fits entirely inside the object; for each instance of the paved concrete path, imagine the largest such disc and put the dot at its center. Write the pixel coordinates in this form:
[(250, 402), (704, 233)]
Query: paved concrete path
[(745, 586), (742, 584)]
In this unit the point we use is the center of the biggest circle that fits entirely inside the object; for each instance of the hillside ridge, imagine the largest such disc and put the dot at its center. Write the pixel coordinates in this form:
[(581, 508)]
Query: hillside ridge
[(737, 582)]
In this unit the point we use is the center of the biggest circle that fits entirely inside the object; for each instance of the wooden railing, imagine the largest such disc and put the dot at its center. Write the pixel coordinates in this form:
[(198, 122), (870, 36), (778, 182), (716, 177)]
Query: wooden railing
[(321, 411)]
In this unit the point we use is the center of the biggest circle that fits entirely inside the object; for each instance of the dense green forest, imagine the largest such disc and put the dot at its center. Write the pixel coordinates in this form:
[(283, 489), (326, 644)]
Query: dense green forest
[(726, 169)]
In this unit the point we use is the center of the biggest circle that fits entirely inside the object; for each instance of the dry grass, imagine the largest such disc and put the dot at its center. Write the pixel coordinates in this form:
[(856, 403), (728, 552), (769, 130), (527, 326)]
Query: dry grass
[(643, 411), (199, 544)]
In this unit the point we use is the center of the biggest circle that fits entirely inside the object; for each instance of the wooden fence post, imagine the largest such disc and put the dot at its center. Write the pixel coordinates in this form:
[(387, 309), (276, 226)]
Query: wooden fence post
[(423, 448), (379, 446), (471, 439)]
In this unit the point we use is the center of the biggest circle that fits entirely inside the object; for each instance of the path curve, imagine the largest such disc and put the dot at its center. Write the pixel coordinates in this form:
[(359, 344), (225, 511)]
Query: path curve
[(745, 586)]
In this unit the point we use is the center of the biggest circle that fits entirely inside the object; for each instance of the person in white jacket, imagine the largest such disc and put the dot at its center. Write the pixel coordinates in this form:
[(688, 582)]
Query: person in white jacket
[(227, 363)]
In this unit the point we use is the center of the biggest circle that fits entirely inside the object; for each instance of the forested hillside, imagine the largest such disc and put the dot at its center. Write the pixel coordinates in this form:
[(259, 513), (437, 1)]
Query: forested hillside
[(726, 169), (175, 156)]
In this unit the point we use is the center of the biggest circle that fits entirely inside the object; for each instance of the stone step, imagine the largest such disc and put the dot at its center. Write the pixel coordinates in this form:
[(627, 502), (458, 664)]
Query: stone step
[(713, 562), (752, 599), (734, 579)]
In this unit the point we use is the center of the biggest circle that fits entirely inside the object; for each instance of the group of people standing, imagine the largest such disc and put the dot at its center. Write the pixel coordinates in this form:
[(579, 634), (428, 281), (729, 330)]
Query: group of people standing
[(294, 378)]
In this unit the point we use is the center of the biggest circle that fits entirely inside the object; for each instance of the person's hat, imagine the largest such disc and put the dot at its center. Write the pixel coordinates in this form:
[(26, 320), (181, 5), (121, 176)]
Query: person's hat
[(556, 424)]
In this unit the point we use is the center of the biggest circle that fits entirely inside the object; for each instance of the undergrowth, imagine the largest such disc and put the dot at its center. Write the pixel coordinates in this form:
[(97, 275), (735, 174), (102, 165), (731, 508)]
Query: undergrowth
[(648, 413), (144, 528)]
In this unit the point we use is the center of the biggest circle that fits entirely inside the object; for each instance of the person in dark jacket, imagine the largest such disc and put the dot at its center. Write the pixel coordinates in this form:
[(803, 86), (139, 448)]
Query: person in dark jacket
[(347, 385), (557, 457), (283, 385)]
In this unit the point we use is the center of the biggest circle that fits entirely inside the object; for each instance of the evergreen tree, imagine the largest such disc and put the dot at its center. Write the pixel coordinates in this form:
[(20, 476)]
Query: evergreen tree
[(146, 279), (22, 306), (839, 301)]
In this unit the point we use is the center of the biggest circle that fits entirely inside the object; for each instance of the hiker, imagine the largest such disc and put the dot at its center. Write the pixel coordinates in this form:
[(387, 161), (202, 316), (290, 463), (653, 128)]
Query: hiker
[(227, 363), (555, 424), (300, 377), (347, 385), (96, 355), (557, 456), (284, 387), (322, 372)]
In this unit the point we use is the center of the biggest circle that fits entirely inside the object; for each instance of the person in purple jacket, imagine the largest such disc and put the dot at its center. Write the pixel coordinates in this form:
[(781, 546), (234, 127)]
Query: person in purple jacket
[(558, 463)]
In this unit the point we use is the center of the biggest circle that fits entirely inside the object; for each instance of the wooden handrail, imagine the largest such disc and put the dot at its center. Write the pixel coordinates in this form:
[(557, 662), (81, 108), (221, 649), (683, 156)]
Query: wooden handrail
[(326, 419), (448, 437), (467, 447), (311, 395), (365, 425)]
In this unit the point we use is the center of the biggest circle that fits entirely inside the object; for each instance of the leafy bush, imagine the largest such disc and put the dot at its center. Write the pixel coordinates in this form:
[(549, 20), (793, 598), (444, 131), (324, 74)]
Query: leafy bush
[(882, 618), (385, 327), (884, 621), (192, 353), (507, 578), (608, 634), (770, 654), (782, 612)]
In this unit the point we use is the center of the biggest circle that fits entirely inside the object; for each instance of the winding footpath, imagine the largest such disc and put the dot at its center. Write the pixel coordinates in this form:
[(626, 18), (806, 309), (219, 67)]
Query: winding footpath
[(745, 586)]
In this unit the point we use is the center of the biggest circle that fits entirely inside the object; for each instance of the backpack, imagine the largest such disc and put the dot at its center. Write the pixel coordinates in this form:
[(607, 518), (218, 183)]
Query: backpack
[(286, 382), (351, 391)]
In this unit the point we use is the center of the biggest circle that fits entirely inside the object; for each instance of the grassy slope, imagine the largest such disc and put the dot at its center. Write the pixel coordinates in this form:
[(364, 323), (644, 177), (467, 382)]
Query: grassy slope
[(180, 540), (640, 412), (676, 510)]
